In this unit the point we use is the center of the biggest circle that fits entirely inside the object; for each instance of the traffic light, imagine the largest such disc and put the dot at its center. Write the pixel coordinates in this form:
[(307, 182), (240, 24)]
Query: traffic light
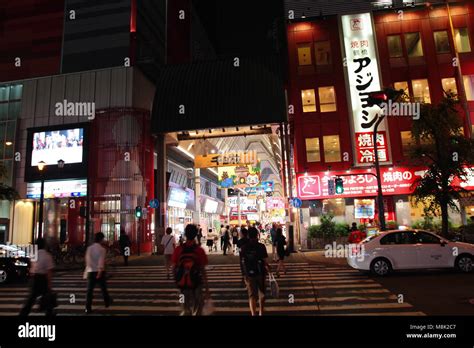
[(339, 186), (138, 212), (331, 187)]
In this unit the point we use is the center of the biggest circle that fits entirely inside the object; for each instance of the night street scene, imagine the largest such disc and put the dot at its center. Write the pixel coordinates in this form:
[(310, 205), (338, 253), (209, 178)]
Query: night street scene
[(307, 162)]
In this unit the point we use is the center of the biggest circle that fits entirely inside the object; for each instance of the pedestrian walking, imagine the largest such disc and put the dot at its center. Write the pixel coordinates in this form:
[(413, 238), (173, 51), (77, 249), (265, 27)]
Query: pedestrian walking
[(189, 267), (254, 264), (280, 247), (169, 244), (273, 238), (199, 235), (244, 238), (125, 246), (95, 271), (41, 279), (226, 241), (210, 240), (235, 239), (222, 232)]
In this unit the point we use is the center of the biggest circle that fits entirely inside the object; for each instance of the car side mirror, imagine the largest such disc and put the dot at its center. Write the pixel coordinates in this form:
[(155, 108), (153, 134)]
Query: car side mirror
[(443, 243)]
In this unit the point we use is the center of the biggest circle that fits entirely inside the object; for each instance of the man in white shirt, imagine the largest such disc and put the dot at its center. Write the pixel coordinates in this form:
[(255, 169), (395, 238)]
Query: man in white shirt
[(169, 244), (41, 273), (95, 269)]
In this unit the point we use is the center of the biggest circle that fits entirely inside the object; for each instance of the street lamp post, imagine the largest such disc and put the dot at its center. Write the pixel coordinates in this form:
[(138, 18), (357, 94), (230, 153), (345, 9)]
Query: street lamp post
[(379, 179), (41, 166)]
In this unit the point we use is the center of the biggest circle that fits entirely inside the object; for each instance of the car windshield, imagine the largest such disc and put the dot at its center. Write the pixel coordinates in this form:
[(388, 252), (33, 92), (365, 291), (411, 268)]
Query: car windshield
[(369, 238)]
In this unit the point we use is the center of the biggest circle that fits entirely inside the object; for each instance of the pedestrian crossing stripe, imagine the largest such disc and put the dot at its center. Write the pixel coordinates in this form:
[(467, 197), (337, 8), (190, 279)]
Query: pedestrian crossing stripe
[(316, 289)]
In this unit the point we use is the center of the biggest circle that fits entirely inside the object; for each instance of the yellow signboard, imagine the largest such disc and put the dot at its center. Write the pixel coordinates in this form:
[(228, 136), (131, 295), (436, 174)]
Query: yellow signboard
[(239, 158)]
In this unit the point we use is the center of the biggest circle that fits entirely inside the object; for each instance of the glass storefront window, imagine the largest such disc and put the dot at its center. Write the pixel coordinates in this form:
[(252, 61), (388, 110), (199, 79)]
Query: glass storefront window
[(469, 86), (449, 85), (334, 206), (403, 85), (413, 45), (309, 100), (407, 143), (322, 50), (421, 91), (461, 39), (394, 43), (304, 54), (327, 99), (441, 41), (332, 148), (312, 150)]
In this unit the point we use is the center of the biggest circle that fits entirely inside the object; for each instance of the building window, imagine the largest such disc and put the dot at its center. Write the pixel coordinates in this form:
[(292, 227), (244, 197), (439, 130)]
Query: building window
[(441, 41), (322, 50), (304, 54), (404, 86), (449, 85), (309, 100), (312, 150), (10, 101), (394, 46), (332, 148), (469, 87), (407, 143), (461, 40), (413, 45), (421, 91), (327, 99)]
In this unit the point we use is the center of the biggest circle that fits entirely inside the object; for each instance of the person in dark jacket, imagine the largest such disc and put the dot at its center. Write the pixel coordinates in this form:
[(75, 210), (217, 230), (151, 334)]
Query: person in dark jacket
[(226, 240), (125, 244), (280, 242), (244, 238)]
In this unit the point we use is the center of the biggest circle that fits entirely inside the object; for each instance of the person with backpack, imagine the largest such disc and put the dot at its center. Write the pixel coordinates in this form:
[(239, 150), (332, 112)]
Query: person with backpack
[(189, 266), (244, 238), (254, 264), (169, 244), (125, 246), (280, 242)]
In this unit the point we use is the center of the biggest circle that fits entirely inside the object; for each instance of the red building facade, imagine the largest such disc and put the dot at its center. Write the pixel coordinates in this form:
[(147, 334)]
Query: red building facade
[(415, 50)]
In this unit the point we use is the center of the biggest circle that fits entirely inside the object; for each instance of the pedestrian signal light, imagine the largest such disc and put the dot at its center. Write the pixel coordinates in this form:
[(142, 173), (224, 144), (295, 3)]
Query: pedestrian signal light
[(339, 186), (138, 212)]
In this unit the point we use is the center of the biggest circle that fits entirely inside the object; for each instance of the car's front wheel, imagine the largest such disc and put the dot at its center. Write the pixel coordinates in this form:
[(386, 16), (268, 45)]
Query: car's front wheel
[(380, 267), (3, 276), (465, 263)]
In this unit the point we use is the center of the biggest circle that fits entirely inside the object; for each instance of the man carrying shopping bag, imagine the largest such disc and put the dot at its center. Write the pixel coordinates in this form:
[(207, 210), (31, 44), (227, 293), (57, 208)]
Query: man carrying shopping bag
[(255, 267)]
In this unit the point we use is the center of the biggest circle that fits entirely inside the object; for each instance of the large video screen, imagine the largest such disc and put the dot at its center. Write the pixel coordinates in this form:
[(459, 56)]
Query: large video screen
[(52, 146)]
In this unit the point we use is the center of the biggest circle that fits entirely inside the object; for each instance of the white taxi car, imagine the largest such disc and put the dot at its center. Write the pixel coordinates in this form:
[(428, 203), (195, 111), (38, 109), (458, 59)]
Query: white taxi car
[(410, 249)]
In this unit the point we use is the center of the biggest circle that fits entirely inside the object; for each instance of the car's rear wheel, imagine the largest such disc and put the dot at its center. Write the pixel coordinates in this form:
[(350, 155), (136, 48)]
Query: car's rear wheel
[(465, 263), (3, 276), (380, 267)]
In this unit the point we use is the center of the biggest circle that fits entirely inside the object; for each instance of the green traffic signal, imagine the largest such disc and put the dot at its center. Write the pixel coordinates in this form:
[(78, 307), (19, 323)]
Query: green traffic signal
[(339, 186), (138, 212)]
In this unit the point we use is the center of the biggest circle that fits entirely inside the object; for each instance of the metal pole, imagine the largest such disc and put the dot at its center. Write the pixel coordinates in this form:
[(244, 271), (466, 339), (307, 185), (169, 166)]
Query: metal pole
[(379, 179), (40, 217), (139, 234)]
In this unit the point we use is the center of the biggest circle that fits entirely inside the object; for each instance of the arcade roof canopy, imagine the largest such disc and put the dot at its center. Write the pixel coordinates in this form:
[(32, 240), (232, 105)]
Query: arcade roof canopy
[(216, 94)]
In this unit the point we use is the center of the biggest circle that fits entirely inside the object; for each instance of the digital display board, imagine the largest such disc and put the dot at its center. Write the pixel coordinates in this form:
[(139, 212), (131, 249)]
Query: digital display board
[(52, 146)]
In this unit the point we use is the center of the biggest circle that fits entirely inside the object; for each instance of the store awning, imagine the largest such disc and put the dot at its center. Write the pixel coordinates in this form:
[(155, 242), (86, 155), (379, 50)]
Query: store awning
[(216, 94)]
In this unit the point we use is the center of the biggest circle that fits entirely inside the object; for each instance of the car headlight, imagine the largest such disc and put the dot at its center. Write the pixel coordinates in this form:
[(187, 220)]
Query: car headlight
[(20, 263)]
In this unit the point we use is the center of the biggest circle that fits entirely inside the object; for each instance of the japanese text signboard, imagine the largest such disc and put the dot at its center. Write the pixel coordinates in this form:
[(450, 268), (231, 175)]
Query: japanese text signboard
[(359, 183), (226, 159), (363, 78)]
